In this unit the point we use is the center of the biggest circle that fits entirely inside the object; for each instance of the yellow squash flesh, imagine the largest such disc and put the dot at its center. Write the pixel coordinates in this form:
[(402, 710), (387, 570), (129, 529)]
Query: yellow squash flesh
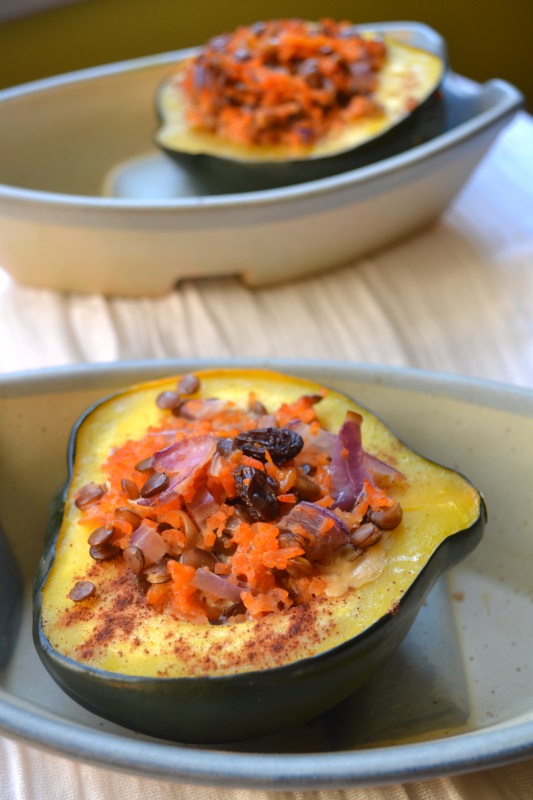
[(116, 631)]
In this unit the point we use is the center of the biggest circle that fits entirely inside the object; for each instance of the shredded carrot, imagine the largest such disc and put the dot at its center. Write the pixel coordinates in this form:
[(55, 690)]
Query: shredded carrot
[(376, 497), (184, 599), (261, 604), (287, 498), (157, 596), (212, 523), (285, 477), (309, 588), (175, 539), (283, 81), (325, 502), (249, 461), (302, 409)]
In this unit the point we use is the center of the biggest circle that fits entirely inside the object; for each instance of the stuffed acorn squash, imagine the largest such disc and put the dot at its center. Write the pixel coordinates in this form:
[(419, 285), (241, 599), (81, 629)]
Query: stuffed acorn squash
[(236, 551), (294, 97)]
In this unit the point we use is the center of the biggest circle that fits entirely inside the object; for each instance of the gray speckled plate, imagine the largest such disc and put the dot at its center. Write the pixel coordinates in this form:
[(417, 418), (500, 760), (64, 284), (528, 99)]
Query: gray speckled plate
[(456, 696)]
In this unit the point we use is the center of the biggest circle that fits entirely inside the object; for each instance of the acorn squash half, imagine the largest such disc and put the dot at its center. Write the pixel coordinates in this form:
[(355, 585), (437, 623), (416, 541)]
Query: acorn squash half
[(196, 682), (411, 112)]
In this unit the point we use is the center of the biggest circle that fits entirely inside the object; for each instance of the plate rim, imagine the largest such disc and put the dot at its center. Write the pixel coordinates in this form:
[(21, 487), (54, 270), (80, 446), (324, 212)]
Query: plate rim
[(489, 747)]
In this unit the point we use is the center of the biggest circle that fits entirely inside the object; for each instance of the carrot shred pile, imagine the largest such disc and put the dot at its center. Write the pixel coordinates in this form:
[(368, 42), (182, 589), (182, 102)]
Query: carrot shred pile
[(283, 81), (210, 552)]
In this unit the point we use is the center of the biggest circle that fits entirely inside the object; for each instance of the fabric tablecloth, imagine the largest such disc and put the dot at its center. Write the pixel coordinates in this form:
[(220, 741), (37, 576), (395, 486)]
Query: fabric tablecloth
[(456, 297)]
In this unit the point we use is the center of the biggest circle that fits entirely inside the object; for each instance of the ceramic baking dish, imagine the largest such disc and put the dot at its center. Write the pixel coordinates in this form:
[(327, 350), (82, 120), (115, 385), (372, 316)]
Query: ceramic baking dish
[(88, 203), (457, 694)]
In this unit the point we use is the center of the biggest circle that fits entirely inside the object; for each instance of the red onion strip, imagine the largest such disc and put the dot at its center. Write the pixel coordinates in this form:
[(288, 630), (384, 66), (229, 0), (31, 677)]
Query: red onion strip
[(150, 542), (207, 581)]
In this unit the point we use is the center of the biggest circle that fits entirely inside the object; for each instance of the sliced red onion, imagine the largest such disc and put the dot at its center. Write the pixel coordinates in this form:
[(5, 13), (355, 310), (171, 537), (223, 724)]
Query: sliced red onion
[(321, 440), (382, 474), (267, 421), (182, 461), (202, 409), (216, 465), (312, 517), (186, 455), (348, 466), (188, 526), (150, 542), (207, 581), (202, 506)]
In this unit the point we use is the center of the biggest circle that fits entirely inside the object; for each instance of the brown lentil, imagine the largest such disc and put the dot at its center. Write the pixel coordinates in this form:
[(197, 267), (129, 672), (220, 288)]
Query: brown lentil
[(196, 557), (102, 552), (131, 488), (145, 464), (257, 407), (365, 535), (128, 515), (154, 485), (81, 591), (100, 536), (188, 384), (387, 518), (157, 574), (134, 558), (89, 494), (306, 488), (299, 567), (167, 400)]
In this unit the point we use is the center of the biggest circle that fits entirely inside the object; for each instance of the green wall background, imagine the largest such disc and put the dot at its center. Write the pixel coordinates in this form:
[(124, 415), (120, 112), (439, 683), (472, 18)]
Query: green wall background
[(490, 40)]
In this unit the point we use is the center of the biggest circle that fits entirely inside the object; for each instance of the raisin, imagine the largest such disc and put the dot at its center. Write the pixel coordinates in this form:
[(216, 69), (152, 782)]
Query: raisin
[(258, 492), (282, 444)]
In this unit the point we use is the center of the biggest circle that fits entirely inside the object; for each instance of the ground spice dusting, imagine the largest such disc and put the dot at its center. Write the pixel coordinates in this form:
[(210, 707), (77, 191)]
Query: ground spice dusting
[(227, 531)]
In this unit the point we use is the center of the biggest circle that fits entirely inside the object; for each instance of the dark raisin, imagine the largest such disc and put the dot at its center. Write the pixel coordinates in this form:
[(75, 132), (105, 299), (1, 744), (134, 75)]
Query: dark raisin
[(258, 492), (282, 444)]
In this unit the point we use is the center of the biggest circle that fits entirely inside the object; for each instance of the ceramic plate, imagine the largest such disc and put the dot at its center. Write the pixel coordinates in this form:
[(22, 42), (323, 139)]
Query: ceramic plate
[(88, 203), (456, 696)]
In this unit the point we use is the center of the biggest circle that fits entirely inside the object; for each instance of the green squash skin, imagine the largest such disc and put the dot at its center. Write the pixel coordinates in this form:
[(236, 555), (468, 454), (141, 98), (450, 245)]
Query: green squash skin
[(209, 710), (226, 176)]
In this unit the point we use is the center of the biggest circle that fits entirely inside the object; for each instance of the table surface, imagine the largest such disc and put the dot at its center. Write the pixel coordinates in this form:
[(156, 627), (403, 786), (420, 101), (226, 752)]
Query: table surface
[(456, 297)]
